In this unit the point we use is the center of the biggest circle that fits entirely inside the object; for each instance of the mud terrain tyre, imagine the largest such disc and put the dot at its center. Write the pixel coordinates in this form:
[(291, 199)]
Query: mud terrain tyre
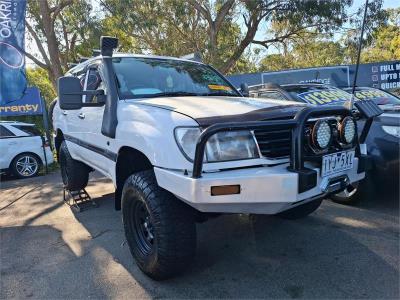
[(75, 174), (159, 228), (301, 211)]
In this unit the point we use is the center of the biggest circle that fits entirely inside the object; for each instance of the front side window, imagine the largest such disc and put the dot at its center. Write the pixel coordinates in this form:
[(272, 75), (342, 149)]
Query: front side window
[(93, 81), (149, 77), (30, 130)]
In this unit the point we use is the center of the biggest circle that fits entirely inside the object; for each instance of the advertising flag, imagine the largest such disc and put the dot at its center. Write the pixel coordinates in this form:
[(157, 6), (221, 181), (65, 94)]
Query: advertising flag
[(12, 45)]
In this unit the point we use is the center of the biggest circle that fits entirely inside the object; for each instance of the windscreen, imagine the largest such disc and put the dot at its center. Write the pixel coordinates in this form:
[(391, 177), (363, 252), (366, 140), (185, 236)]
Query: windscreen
[(378, 96), (149, 77), (318, 95)]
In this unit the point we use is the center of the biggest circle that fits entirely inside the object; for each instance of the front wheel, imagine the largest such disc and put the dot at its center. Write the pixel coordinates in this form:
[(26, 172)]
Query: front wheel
[(301, 211), (160, 229), (356, 192)]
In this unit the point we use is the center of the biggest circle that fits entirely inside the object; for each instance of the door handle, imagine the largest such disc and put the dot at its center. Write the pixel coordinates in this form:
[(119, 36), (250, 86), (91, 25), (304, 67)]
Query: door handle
[(64, 113), (12, 143), (81, 116)]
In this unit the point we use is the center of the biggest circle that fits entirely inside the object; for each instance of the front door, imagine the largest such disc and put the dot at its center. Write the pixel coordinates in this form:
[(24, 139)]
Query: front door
[(91, 118)]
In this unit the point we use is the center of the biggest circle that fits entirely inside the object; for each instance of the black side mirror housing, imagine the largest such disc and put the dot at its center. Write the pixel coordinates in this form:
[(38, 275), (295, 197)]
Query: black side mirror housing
[(69, 93), (244, 89)]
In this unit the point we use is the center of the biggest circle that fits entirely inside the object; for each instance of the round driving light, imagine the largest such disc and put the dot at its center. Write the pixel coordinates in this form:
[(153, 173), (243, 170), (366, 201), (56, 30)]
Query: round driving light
[(347, 130), (321, 134)]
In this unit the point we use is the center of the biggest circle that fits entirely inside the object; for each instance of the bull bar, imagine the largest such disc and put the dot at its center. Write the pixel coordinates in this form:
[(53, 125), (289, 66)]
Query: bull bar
[(307, 177)]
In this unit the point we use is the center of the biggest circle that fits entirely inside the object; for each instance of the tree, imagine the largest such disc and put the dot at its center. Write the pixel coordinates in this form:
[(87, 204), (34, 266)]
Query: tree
[(220, 30), (39, 77), (57, 27), (307, 50), (385, 42)]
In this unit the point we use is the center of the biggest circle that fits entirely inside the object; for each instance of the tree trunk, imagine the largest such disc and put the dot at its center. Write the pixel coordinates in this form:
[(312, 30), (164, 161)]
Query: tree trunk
[(52, 43)]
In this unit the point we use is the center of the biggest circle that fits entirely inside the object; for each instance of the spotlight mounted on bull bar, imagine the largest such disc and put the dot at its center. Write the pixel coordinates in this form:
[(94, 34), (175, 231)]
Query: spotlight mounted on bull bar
[(107, 45)]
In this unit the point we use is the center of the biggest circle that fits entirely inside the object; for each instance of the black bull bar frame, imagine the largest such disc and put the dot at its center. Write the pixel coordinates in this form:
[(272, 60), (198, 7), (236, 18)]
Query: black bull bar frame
[(307, 177)]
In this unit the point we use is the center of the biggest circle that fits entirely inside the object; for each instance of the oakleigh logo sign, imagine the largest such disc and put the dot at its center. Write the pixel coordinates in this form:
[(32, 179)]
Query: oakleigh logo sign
[(12, 58), (5, 18)]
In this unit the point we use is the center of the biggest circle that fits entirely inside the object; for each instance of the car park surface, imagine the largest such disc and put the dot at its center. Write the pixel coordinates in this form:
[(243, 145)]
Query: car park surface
[(49, 251)]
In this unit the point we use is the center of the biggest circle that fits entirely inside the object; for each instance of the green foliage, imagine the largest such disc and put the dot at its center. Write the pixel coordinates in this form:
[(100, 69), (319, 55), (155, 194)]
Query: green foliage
[(309, 50), (385, 42), (39, 77)]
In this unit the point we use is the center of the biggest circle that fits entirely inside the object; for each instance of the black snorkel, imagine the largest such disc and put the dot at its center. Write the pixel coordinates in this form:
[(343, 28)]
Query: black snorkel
[(110, 121)]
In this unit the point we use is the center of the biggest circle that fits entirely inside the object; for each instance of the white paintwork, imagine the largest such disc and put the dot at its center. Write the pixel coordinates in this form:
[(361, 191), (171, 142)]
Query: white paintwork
[(201, 107), (264, 190), (20, 143), (147, 125)]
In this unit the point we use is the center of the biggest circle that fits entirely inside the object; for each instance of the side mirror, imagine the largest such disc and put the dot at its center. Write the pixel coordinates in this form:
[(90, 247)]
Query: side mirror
[(69, 93), (244, 89)]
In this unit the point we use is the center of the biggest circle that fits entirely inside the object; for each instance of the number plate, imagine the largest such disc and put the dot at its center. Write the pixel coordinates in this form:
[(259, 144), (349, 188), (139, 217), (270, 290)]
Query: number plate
[(337, 162)]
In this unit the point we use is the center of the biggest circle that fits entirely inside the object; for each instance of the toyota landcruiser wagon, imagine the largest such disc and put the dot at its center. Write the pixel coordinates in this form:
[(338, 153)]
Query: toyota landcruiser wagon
[(180, 144)]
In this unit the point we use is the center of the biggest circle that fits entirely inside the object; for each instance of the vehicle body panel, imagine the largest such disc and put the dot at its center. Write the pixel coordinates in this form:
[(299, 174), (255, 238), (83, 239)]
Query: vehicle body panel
[(21, 142)]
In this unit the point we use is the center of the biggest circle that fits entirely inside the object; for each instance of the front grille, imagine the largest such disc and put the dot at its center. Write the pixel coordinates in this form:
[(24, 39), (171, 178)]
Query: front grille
[(274, 143)]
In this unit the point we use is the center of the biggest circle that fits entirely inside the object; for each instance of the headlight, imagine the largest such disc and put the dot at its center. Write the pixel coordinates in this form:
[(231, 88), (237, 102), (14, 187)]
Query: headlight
[(347, 130), (231, 145), (392, 130), (321, 134), (223, 146)]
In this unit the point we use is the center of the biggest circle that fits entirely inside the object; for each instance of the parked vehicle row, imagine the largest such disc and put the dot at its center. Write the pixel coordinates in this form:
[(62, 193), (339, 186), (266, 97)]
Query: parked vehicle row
[(23, 149)]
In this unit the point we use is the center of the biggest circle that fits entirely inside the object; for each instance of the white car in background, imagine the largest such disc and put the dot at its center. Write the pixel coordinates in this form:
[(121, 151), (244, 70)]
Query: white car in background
[(22, 149)]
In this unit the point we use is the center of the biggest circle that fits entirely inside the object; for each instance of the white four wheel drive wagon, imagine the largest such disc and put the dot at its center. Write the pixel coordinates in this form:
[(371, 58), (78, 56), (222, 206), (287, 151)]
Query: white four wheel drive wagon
[(181, 144)]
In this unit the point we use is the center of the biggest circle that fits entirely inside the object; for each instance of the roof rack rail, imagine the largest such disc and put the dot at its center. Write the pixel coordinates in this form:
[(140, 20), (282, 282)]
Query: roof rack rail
[(96, 52), (83, 59), (196, 56)]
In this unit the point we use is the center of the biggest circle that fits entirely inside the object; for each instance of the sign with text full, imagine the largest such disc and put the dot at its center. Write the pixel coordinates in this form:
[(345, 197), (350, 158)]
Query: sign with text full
[(12, 45), (30, 104)]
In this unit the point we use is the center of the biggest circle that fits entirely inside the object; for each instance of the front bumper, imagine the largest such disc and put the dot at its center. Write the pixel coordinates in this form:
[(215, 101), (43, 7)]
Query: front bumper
[(263, 190)]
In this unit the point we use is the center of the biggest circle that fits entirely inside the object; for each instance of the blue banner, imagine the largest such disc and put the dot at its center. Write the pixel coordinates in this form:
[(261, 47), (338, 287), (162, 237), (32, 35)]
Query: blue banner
[(12, 45), (30, 104)]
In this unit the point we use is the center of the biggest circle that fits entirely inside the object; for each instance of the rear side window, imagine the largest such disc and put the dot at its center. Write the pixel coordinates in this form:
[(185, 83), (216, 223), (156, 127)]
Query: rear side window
[(4, 132), (30, 130)]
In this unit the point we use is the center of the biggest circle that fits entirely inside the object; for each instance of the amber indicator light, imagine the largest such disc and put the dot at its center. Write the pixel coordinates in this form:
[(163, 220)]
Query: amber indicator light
[(221, 190)]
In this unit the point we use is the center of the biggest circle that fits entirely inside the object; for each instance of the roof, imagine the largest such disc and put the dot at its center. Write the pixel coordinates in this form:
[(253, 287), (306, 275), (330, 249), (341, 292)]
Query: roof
[(90, 60), (16, 123)]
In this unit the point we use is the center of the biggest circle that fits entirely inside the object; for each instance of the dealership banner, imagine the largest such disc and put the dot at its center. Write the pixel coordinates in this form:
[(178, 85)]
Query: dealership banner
[(12, 45), (384, 75), (29, 104)]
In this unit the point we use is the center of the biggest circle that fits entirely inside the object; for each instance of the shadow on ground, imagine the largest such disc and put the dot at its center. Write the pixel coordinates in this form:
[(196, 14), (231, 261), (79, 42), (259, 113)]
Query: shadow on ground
[(328, 255)]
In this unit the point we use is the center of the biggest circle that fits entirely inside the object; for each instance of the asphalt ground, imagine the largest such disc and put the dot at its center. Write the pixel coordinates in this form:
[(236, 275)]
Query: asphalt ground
[(49, 251)]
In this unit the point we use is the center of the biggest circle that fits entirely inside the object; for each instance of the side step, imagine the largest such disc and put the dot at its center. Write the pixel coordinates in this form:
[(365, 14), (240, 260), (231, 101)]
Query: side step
[(78, 200)]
